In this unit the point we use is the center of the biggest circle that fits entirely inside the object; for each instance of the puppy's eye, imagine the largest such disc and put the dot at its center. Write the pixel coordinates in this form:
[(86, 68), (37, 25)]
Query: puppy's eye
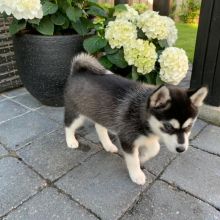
[(168, 127)]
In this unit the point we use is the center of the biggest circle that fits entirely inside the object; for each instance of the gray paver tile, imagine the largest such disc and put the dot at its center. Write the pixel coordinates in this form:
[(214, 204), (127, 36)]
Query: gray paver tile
[(19, 131), (50, 204), (2, 151), (54, 113), (157, 164), (15, 92), (10, 109), (2, 98), (209, 139), (162, 201), (92, 136), (102, 184), (28, 100), (196, 172), (50, 156), (18, 183), (199, 125)]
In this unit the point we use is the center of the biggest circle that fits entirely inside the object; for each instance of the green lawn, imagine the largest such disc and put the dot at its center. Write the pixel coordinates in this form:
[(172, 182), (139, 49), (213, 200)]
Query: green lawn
[(187, 38)]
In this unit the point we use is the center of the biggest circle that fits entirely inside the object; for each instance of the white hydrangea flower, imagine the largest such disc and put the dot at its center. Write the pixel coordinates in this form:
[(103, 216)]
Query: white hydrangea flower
[(130, 14), (142, 54), (22, 9), (173, 65), (172, 35), (26, 9), (158, 27), (7, 6), (120, 32)]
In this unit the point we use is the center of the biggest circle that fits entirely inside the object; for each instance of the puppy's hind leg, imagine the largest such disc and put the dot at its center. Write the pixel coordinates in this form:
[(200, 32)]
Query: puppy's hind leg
[(104, 139), (72, 122)]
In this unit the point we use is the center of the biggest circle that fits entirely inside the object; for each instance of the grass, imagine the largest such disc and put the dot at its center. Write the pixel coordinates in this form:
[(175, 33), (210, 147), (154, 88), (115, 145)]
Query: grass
[(187, 38)]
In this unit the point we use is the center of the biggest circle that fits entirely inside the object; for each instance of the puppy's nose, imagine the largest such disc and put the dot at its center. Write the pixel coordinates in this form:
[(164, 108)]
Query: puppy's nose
[(180, 149)]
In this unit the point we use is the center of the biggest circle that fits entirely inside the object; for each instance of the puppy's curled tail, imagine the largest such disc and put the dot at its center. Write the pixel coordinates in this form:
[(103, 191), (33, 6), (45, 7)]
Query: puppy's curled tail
[(84, 61)]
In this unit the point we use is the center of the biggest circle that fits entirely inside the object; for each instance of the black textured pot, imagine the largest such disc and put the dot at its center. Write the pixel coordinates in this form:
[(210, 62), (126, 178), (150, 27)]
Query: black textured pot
[(43, 64)]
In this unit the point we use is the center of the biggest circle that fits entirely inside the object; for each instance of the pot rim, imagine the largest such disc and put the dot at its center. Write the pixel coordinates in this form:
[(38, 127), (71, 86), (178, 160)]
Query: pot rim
[(52, 36)]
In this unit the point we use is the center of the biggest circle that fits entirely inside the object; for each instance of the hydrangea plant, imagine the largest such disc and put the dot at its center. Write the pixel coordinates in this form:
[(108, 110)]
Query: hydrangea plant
[(139, 46), (52, 17)]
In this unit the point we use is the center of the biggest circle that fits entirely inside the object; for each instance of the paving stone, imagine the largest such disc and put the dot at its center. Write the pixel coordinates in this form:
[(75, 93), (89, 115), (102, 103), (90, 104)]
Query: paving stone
[(102, 184), (162, 201), (92, 136), (10, 109), (209, 139), (198, 126), (50, 204), (21, 130), (2, 151), (50, 156), (157, 164), (198, 173), (15, 92), (28, 100), (2, 98), (18, 183), (54, 113)]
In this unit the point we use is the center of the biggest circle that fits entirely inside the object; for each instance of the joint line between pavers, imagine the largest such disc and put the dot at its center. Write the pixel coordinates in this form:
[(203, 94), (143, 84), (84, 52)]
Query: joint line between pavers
[(15, 117), (21, 104), (215, 154), (138, 198), (77, 165), (189, 193), (23, 202), (11, 97), (199, 132), (146, 189), (71, 198), (31, 168)]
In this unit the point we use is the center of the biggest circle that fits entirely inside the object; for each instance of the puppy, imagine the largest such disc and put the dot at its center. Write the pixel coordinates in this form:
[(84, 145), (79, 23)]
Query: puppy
[(140, 114)]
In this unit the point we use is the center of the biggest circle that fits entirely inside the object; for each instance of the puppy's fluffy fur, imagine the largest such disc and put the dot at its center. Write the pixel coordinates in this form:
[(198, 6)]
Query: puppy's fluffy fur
[(139, 114)]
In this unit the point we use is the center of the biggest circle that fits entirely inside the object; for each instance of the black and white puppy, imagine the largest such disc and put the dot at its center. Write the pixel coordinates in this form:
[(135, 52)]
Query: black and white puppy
[(140, 114)]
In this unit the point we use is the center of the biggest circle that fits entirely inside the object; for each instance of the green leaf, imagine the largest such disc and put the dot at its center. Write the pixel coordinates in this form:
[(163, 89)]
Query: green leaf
[(49, 8), (46, 27), (82, 26), (16, 26), (34, 21), (158, 80), (58, 19), (97, 11), (134, 73), (163, 43), (66, 24), (94, 43), (73, 13), (109, 50), (120, 8), (105, 62), (118, 59), (151, 78)]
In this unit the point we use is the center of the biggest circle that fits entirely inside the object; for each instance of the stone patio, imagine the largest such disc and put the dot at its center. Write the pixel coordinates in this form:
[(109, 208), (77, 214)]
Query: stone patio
[(41, 179)]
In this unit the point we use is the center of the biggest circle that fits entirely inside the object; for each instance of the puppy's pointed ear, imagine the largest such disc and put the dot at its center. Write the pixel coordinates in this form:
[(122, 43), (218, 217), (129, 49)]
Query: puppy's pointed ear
[(197, 96), (159, 98)]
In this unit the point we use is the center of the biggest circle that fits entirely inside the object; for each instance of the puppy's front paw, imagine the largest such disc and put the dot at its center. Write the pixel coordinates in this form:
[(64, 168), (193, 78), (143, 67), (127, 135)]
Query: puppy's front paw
[(138, 177), (111, 148), (72, 142)]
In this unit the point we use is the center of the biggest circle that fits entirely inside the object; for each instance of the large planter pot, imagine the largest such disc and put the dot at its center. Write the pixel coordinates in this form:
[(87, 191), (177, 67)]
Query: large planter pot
[(43, 64)]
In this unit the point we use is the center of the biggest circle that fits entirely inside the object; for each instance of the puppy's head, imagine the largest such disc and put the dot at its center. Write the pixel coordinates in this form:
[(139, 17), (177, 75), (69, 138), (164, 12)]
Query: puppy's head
[(173, 112)]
